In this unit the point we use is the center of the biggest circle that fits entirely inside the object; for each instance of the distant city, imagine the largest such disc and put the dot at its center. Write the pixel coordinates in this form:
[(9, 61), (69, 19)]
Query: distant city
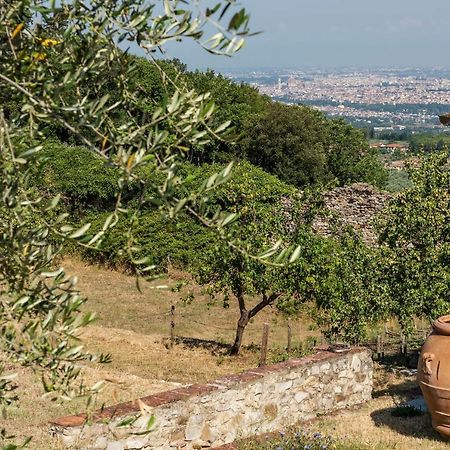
[(377, 99)]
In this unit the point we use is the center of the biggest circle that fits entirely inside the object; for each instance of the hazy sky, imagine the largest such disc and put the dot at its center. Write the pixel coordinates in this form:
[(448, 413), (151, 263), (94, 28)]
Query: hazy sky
[(333, 33)]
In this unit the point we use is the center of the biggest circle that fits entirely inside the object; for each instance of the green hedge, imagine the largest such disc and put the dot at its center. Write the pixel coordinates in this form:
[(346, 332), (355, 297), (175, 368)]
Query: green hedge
[(82, 178), (181, 241), (165, 241)]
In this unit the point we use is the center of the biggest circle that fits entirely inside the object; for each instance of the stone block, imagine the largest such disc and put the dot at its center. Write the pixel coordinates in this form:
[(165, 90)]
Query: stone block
[(301, 396), (101, 442), (284, 386), (356, 363), (115, 446), (136, 442), (194, 427)]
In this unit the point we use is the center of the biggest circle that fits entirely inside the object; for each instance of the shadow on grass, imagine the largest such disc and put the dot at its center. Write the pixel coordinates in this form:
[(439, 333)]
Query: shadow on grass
[(216, 348), (416, 426), (394, 359), (391, 369), (404, 391)]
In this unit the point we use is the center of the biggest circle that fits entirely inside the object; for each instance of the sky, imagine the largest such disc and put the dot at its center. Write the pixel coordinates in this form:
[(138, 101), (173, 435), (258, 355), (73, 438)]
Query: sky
[(336, 33)]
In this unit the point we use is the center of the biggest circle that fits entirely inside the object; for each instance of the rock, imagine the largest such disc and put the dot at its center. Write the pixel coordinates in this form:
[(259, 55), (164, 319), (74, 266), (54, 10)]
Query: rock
[(134, 443), (100, 443), (284, 386), (300, 396), (194, 427), (115, 446)]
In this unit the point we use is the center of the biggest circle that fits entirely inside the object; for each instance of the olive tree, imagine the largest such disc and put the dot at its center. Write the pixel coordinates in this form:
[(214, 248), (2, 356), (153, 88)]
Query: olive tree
[(55, 61), (258, 277), (415, 231)]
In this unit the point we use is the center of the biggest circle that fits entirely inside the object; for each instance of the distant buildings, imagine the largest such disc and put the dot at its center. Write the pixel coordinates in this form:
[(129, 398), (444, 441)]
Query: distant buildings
[(391, 148), (380, 98)]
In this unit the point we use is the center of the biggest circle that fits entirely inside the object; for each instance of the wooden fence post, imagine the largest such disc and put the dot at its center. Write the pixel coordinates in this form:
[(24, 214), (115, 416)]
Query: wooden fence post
[(378, 346), (403, 344), (264, 342), (289, 336), (172, 325)]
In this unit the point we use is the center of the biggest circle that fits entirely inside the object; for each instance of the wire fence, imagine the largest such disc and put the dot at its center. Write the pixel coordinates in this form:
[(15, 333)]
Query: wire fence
[(385, 344)]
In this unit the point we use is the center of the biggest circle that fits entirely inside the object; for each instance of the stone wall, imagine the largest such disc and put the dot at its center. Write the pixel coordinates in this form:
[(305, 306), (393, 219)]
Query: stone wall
[(356, 205), (238, 406)]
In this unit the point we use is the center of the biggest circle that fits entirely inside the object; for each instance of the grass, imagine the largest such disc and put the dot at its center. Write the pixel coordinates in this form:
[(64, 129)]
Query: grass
[(373, 425), (134, 328)]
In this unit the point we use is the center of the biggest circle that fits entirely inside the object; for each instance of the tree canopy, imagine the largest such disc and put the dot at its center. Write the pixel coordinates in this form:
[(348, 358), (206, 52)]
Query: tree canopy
[(63, 73), (302, 147), (416, 231)]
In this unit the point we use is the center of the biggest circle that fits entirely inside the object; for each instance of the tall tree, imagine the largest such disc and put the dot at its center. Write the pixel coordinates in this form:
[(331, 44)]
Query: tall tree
[(302, 147), (349, 158), (289, 141), (268, 210)]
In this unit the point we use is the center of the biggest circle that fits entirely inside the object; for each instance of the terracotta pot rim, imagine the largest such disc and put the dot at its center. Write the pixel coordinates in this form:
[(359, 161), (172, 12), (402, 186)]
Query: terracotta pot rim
[(442, 325), (434, 386)]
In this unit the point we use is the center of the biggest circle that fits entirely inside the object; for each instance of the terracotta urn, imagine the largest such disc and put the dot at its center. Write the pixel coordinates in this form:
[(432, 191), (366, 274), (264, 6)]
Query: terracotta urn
[(433, 375)]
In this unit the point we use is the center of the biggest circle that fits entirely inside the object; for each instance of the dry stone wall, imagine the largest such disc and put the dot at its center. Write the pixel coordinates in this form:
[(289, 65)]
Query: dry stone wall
[(356, 205), (257, 401)]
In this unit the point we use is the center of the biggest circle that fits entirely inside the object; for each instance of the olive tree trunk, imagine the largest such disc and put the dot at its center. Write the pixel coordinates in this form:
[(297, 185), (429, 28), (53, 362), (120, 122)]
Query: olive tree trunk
[(245, 317)]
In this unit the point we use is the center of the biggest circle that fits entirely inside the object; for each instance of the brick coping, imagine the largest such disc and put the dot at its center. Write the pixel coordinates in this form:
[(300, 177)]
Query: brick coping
[(195, 390)]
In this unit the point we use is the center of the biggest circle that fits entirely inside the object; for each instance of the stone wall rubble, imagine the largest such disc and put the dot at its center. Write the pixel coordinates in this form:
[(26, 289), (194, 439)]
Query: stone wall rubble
[(356, 205)]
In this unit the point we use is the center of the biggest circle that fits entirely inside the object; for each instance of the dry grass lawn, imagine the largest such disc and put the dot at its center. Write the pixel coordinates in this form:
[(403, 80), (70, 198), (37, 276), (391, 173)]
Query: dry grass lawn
[(373, 426), (134, 328)]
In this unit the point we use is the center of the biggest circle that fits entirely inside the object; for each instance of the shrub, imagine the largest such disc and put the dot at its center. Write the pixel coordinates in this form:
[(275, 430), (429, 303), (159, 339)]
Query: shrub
[(166, 242), (80, 176)]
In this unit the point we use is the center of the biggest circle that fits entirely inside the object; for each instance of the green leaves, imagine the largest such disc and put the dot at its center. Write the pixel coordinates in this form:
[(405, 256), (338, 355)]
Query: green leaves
[(295, 254), (414, 230), (80, 232), (302, 147), (68, 79)]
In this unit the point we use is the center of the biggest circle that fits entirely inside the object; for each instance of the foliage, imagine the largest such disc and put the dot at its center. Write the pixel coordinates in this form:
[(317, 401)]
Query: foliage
[(348, 288), (302, 147), (349, 158), (182, 243), (415, 230), (429, 143), (288, 141), (82, 178), (41, 308), (238, 103), (398, 181), (268, 210), (340, 279), (54, 57), (165, 242)]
